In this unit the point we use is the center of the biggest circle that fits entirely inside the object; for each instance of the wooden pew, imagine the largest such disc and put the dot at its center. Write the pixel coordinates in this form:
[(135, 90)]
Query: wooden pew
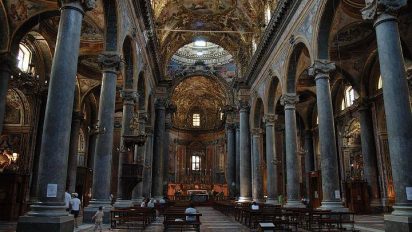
[(175, 218), (129, 218)]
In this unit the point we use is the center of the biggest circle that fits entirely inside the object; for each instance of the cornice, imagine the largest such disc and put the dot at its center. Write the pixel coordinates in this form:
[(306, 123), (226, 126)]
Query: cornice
[(144, 13), (277, 25)]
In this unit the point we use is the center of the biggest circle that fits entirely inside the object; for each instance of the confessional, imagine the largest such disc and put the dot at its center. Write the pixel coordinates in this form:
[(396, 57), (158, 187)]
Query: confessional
[(315, 187), (357, 196), (13, 195)]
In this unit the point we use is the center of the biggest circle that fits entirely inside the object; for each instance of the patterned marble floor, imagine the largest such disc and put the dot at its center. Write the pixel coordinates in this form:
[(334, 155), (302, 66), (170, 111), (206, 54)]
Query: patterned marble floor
[(214, 221)]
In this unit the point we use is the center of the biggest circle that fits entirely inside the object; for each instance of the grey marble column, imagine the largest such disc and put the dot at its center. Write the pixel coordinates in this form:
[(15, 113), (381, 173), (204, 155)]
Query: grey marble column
[(237, 178), (158, 147), (397, 107), (129, 97), (329, 160), (231, 157), (148, 163), (257, 184), (245, 158), (49, 213), (370, 164), (271, 167), (170, 110), (77, 119), (139, 157), (110, 65), (7, 63), (289, 100), (309, 159)]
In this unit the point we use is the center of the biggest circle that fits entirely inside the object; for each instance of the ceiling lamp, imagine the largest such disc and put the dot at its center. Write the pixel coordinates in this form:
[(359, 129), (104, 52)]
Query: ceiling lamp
[(199, 53), (200, 43)]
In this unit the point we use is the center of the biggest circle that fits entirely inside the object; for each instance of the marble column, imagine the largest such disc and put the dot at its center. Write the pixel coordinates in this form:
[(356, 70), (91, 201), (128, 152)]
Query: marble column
[(158, 147), (271, 167), (110, 65), (370, 164), (170, 110), (237, 178), (139, 157), (257, 184), (49, 213), (7, 63), (245, 159), (309, 159), (129, 97), (397, 107), (329, 157), (148, 162), (77, 119), (231, 157), (289, 100)]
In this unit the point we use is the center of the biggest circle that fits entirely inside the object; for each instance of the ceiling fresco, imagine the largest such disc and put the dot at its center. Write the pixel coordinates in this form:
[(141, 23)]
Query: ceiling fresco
[(233, 24), (205, 57), (198, 94)]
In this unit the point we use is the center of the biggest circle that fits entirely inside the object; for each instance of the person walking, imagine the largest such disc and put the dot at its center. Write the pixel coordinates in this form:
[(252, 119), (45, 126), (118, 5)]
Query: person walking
[(98, 219), (75, 204), (67, 198)]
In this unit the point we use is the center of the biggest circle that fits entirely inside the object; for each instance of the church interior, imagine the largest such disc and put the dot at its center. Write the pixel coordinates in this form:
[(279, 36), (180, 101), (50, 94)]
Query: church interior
[(302, 107)]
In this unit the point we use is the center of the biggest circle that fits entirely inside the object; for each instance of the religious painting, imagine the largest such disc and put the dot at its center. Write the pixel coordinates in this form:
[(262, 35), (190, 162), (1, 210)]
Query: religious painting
[(21, 10), (208, 6), (14, 108)]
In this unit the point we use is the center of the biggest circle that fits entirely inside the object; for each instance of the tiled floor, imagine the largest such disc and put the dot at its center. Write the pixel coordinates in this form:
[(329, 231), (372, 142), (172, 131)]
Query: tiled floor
[(214, 221)]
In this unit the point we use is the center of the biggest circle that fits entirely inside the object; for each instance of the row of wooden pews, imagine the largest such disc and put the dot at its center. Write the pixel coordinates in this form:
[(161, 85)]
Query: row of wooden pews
[(132, 218), (175, 219), (288, 219)]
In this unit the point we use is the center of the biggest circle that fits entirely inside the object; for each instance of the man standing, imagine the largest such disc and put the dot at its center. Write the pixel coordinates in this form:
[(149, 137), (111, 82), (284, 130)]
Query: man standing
[(67, 198), (75, 203)]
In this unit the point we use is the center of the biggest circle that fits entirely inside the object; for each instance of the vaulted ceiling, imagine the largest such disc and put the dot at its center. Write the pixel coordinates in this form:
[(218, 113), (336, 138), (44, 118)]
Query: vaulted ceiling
[(232, 24)]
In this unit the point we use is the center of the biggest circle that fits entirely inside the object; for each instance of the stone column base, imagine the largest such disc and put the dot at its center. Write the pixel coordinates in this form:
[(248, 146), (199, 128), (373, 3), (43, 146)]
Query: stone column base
[(121, 204), (398, 223), (245, 199), (272, 202), (294, 204), (137, 201), (335, 206), (41, 224), (90, 210)]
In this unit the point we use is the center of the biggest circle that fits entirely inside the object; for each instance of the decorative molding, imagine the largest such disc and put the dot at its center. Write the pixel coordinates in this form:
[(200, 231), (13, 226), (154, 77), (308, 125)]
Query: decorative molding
[(321, 69), (270, 119), (256, 131), (289, 99), (129, 95)]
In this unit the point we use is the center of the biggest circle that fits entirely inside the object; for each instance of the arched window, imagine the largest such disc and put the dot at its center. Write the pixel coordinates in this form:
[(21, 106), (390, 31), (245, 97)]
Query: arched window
[(195, 162), (380, 83), (268, 15), (196, 120), (349, 98), (24, 58)]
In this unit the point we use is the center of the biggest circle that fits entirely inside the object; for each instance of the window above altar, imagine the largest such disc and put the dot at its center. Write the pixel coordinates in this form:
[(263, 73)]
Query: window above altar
[(195, 163)]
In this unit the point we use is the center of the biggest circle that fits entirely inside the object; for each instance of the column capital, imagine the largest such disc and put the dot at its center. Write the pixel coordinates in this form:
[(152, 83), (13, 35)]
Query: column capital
[(289, 100), (270, 119), (86, 4), (375, 8), (109, 62), (161, 103), (129, 96), (320, 69), (7, 61), (244, 105), (257, 131), (229, 109)]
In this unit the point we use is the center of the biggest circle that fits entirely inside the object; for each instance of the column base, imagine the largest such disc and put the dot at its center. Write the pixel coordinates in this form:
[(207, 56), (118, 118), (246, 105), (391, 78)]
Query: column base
[(335, 206), (40, 224), (272, 202), (398, 223), (94, 205), (294, 204), (245, 199), (122, 204), (157, 198), (261, 200), (137, 201)]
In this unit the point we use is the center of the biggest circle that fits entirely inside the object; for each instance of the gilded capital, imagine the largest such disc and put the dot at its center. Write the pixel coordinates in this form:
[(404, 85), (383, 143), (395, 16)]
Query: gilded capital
[(109, 61), (321, 69), (374, 8), (289, 99)]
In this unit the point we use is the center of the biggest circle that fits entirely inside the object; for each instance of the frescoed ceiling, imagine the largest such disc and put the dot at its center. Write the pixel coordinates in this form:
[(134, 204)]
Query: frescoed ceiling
[(232, 24), (198, 94)]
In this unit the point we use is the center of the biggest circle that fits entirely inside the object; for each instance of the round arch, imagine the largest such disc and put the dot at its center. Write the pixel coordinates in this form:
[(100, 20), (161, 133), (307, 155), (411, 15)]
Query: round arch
[(293, 60), (325, 27)]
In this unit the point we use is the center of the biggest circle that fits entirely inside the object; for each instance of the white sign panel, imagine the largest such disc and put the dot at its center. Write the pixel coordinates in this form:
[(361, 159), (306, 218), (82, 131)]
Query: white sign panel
[(409, 193), (52, 190), (337, 194)]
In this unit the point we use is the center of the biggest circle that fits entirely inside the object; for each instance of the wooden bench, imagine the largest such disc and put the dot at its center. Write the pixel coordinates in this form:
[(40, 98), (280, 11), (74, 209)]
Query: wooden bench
[(175, 218), (129, 218)]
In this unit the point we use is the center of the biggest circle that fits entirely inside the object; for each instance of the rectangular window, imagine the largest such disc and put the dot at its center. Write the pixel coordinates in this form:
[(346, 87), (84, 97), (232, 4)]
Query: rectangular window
[(195, 163), (196, 120)]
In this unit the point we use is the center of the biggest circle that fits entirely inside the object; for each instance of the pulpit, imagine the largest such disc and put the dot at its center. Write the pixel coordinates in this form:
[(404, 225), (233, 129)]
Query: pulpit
[(315, 187)]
